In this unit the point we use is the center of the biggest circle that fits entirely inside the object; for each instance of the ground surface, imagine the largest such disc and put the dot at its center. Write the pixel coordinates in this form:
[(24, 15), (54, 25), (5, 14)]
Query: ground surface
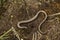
[(14, 11)]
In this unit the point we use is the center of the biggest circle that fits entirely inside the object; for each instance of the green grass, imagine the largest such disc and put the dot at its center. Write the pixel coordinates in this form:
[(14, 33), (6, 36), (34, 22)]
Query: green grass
[(5, 35)]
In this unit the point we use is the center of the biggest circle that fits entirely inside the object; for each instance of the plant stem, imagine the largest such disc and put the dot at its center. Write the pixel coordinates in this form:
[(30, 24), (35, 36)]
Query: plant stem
[(5, 33)]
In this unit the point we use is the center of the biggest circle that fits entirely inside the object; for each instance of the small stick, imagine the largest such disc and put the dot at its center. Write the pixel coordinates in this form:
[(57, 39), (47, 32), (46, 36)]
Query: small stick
[(15, 32), (54, 14)]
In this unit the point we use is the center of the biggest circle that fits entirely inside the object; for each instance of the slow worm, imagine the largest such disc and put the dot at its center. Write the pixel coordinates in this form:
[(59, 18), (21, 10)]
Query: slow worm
[(26, 21)]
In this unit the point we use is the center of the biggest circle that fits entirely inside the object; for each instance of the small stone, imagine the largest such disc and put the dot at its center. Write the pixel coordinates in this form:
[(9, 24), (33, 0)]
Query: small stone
[(11, 16), (21, 39)]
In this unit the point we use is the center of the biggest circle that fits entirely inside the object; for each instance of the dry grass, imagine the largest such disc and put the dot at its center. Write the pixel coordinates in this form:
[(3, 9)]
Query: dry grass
[(13, 11)]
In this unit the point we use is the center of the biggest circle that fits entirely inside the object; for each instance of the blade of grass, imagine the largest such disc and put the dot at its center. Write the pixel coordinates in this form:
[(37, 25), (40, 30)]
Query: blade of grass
[(5, 33)]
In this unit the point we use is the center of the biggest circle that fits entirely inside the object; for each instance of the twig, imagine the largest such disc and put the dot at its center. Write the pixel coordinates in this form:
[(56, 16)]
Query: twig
[(15, 32), (54, 14)]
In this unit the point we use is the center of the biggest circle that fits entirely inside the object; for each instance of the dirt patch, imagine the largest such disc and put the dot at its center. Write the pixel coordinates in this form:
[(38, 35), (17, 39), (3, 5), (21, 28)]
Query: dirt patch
[(15, 10)]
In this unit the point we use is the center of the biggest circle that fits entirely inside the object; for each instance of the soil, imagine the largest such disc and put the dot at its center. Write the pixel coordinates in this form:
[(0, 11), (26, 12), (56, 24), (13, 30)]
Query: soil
[(14, 11)]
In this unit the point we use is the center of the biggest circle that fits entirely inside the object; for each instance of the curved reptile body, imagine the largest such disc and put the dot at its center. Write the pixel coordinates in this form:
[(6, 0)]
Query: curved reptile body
[(27, 21)]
